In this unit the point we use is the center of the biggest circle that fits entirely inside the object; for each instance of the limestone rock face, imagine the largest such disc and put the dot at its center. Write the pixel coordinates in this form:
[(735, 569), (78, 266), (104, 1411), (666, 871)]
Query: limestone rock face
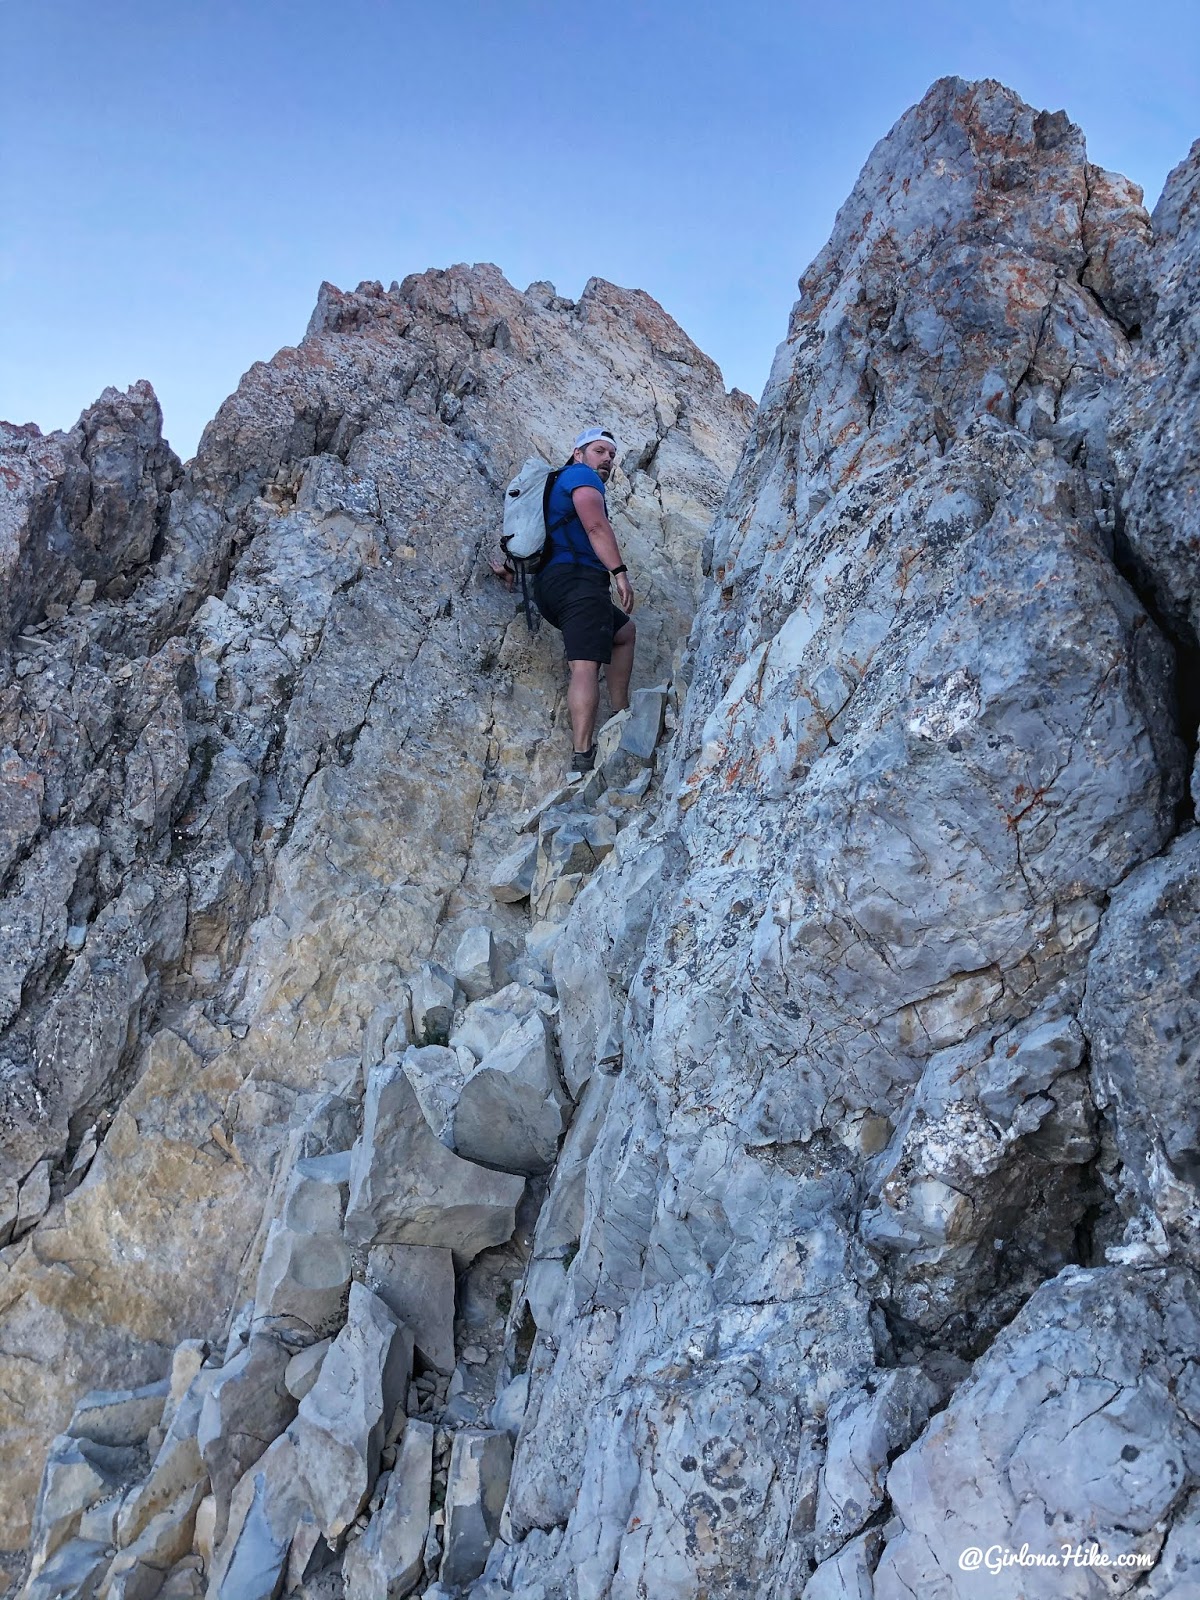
[(1142, 1015), (929, 729), (264, 723), (81, 512), (1155, 429), (1071, 1431), (766, 1167)]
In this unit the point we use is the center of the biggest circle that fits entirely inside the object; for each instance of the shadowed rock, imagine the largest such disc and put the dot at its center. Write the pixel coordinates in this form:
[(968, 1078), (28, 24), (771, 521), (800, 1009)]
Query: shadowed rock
[(1142, 1016), (416, 1283), (1068, 1432)]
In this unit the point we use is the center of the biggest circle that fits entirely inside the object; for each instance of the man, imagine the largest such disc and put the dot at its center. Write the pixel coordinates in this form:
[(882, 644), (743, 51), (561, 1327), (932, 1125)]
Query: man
[(582, 559)]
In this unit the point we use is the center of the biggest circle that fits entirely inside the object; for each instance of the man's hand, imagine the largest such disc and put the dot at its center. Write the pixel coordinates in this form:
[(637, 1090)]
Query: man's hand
[(502, 569), (625, 597)]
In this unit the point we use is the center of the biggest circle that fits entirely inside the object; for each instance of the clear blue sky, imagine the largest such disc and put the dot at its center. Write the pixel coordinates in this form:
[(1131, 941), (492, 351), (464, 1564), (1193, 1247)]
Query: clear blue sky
[(177, 176)]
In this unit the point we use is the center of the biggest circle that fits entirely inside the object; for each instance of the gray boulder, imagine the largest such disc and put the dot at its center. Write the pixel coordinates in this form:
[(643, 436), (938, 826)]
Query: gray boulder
[(437, 1073), (512, 1110), (485, 1022), (388, 1561), (647, 714), (626, 745), (302, 1280), (480, 1463), (509, 1410), (74, 1572), (139, 1569), (308, 1557), (406, 1187), (33, 1199), (119, 1416), (347, 1416), (248, 1405), (608, 737), (315, 1197), (565, 797), (78, 1473), (301, 1371), (177, 1470), (512, 877), (98, 1524), (560, 1221), (477, 963), (392, 1020), (416, 1283), (570, 845), (186, 1364), (185, 1580), (552, 902), (434, 995), (305, 1267), (266, 1510), (204, 1541)]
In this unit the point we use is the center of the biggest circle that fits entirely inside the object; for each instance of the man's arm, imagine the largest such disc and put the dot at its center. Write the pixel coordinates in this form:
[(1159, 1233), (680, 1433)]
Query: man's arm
[(589, 507)]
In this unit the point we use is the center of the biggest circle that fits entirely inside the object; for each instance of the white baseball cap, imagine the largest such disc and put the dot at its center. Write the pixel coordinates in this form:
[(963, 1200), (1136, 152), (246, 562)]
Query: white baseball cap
[(590, 435)]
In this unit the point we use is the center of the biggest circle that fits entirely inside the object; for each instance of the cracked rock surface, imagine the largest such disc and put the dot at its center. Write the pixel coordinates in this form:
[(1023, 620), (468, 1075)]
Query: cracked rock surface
[(766, 1167), (264, 722), (864, 1116)]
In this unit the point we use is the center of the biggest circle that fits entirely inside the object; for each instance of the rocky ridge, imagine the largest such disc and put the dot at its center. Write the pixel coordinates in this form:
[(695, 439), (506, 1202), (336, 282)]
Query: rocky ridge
[(888, 1243), (802, 1190), (259, 769)]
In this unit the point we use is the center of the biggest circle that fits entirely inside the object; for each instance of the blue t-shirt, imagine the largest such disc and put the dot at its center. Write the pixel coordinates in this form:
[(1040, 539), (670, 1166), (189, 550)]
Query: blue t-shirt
[(565, 536)]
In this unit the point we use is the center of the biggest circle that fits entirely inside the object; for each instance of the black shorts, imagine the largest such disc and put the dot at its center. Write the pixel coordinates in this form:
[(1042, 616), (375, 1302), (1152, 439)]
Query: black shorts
[(576, 600)]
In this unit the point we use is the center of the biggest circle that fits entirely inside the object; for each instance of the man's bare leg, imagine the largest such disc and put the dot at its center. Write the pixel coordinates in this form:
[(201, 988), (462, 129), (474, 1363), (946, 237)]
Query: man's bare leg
[(620, 668), (583, 701)]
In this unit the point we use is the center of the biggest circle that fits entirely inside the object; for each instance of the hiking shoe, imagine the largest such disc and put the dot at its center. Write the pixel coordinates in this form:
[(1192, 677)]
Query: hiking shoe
[(582, 761)]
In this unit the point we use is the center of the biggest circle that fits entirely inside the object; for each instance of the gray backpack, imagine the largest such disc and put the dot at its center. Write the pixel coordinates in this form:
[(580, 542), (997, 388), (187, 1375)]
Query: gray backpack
[(524, 538), (525, 509)]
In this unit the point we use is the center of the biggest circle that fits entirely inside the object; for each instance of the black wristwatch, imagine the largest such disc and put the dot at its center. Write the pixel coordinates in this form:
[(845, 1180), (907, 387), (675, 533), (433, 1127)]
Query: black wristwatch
[(612, 571)]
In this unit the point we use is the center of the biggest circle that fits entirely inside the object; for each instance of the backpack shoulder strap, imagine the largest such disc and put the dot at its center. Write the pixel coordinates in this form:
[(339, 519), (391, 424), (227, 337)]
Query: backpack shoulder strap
[(551, 479)]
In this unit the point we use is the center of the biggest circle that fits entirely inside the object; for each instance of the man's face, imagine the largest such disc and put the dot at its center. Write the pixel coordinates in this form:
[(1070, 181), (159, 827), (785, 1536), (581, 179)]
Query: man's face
[(599, 455)]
